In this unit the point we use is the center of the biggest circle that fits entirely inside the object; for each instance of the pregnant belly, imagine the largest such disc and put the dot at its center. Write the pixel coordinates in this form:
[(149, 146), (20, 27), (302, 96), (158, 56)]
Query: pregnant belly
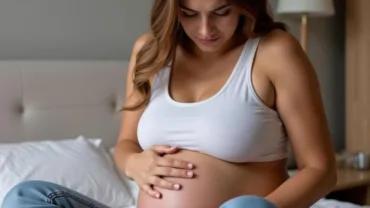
[(217, 181)]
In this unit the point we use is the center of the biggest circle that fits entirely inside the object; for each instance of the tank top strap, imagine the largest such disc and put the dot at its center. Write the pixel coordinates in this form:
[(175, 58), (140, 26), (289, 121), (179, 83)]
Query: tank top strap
[(161, 78), (252, 94), (240, 84), (251, 53)]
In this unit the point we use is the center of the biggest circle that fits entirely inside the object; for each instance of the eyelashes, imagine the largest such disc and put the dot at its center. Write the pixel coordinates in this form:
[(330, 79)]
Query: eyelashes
[(223, 13), (194, 14), (188, 14)]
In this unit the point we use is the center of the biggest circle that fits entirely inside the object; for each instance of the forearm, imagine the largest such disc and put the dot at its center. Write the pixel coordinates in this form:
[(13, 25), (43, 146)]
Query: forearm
[(123, 151), (304, 188)]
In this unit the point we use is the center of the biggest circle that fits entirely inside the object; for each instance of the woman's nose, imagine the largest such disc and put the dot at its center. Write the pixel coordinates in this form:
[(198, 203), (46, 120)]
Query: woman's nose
[(205, 29)]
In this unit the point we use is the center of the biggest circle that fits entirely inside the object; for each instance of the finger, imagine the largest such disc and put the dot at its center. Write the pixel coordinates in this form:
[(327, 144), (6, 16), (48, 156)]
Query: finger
[(150, 191), (170, 150), (173, 172), (170, 162), (159, 182), (161, 149)]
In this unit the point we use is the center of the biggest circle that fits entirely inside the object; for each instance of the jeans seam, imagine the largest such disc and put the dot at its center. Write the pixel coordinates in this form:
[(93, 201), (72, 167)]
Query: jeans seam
[(52, 196)]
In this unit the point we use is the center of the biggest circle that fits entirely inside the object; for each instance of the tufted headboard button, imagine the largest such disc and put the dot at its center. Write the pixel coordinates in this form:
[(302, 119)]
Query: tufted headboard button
[(113, 105), (19, 108)]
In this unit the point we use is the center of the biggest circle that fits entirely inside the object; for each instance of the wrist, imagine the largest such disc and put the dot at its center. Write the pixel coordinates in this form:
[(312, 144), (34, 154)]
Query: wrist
[(128, 166)]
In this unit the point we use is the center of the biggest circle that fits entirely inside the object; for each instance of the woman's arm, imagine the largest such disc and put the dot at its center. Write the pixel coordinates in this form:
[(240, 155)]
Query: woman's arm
[(127, 143), (299, 103), (146, 167)]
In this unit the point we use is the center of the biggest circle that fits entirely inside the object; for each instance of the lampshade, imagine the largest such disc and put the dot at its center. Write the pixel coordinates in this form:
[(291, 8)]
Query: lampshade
[(309, 7)]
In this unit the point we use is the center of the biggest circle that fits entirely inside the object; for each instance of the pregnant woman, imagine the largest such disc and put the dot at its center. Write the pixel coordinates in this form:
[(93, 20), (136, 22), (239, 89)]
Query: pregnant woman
[(215, 92)]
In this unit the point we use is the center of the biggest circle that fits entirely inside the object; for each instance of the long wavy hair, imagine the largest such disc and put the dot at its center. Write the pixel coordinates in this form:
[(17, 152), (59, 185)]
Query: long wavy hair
[(166, 33)]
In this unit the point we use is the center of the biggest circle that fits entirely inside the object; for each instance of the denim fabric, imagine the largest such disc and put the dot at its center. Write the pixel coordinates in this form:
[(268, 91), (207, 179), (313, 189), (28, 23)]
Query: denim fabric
[(248, 202), (42, 194)]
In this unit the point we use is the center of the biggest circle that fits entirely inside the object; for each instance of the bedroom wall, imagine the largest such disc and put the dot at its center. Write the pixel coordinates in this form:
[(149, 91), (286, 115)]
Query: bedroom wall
[(71, 29), (96, 29)]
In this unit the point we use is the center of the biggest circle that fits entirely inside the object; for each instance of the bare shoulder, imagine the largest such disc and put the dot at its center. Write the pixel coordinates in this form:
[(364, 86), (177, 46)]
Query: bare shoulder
[(278, 43), (140, 42), (279, 38), (282, 54), (138, 45)]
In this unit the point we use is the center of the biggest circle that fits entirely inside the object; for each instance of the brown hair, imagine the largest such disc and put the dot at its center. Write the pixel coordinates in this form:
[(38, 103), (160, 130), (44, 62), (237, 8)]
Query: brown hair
[(166, 34)]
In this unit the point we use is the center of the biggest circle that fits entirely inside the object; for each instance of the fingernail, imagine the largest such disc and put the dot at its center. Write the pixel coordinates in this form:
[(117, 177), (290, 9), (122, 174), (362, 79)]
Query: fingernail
[(176, 186), (189, 173), (190, 165), (157, 195)]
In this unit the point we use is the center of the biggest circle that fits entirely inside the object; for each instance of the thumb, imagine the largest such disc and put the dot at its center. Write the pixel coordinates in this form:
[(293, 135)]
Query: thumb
[(164, 149)]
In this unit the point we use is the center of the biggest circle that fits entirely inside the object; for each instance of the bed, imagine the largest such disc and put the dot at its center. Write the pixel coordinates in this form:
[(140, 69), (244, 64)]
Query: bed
[(59, 121)]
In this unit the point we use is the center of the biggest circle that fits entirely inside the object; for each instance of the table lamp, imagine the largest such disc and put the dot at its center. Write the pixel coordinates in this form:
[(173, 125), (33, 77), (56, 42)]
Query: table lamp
[(306, 8)]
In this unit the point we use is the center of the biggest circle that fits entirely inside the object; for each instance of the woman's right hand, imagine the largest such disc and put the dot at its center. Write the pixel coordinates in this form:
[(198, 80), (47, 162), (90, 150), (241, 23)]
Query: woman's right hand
[(148, 167)]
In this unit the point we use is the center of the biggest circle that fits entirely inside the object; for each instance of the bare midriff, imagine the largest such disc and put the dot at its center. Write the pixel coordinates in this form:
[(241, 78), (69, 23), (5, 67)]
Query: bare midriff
[(217, 181)]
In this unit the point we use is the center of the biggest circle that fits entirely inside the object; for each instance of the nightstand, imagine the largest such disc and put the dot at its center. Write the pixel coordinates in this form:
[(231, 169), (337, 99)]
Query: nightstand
[(352, 186)]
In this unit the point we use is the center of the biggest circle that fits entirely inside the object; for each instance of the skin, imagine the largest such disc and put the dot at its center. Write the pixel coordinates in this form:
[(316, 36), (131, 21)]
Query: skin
[(208, 20), (284, 80)]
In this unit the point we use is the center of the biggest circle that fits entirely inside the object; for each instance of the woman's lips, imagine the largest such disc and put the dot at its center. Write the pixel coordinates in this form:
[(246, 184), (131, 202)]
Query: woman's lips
[(208, 41)]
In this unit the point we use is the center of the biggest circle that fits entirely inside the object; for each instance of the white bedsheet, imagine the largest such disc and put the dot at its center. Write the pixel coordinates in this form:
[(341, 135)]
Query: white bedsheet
[(329, 203)]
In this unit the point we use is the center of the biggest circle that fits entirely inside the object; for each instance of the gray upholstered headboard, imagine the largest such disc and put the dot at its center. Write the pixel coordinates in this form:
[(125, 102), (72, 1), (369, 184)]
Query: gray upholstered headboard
[(51, 100)]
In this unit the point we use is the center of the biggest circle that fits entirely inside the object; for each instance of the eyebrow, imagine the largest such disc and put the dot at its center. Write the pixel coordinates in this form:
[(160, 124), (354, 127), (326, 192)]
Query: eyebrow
[(218, 8)]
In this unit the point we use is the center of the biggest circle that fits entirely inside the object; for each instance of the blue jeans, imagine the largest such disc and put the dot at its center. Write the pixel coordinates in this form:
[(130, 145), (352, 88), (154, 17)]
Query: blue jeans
[(42, 194)]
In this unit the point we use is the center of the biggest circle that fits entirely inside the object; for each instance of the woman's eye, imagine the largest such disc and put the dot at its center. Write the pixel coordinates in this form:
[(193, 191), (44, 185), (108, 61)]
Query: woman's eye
[(189, 14), (222, 13)]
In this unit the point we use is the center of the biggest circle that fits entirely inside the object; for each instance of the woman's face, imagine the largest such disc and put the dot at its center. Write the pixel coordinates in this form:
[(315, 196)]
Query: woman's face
[(208, 23)]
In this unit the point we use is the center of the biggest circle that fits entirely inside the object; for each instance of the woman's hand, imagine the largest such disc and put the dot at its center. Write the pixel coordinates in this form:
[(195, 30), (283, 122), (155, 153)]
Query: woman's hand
[(148, 167)]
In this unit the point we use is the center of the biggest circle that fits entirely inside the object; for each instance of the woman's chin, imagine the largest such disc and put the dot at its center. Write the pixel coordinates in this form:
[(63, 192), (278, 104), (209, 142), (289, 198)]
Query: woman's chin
[(209, 47)]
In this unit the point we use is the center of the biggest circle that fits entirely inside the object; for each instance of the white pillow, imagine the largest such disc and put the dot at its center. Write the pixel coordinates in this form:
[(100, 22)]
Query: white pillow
[(74, 163)]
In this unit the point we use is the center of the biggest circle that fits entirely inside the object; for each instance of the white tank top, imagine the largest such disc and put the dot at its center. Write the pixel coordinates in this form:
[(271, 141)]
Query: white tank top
[(233, 125)]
